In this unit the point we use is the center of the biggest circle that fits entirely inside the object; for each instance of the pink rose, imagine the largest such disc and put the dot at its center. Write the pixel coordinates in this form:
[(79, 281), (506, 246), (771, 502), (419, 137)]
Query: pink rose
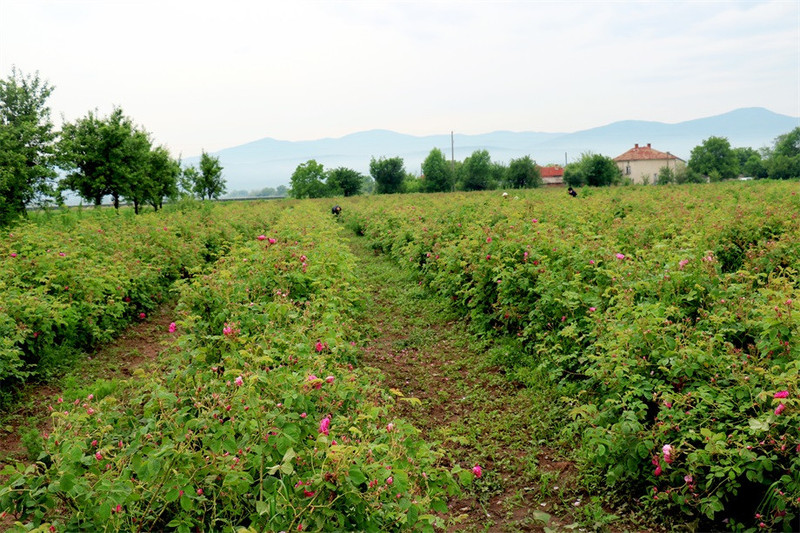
[(325, 425), (477, 471)]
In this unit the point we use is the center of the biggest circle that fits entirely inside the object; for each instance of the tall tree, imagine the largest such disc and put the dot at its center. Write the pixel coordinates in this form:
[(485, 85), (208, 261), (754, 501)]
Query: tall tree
[(187, 179), (344, 181), (476, 171), (788, 144), (592, 169), (523, 173), (438, 175), (105, 157), (210, 182), (388, 174), (27, 144), (715, 158), (163, 172), (307, 181)]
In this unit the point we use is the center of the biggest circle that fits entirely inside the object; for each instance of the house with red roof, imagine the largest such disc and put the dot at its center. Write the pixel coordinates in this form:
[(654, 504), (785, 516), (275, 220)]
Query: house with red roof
[(552, 175), (642, 163)]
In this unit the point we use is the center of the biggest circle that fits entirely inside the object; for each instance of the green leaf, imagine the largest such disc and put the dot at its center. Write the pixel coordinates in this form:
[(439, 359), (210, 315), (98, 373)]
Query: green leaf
[(261, 507), (439, 506), (356, 476), (187, 504)]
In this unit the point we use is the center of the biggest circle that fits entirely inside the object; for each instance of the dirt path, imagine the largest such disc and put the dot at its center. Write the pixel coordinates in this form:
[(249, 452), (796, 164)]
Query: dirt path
[(139, 344), (468, 407)]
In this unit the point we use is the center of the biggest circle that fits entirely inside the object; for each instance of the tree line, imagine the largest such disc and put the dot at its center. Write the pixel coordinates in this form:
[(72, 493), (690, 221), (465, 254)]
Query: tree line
[(713, 160), (98, 156), (387, 175)]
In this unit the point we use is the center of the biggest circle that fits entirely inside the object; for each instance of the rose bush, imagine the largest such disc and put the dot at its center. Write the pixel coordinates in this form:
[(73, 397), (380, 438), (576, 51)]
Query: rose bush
[(667, 317)]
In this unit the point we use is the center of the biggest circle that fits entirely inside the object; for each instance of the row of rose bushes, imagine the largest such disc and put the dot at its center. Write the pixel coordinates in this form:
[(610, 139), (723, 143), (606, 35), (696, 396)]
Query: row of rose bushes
[(260, 421), (669, 318), (78, 278)]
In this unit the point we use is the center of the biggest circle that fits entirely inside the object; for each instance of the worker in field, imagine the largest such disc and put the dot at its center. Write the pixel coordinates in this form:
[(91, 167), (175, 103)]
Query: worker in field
[(572, 192), (336, 210)]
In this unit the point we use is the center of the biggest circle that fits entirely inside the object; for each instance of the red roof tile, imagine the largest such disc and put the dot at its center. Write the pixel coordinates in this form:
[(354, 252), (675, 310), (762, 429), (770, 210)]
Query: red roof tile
[(640, 153), (551, 172)]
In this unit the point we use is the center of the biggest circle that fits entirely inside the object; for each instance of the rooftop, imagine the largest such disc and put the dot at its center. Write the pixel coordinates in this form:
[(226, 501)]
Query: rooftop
[(641, 153)]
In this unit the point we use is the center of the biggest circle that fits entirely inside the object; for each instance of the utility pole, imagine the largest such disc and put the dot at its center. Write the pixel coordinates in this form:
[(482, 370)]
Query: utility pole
[(453, 159)]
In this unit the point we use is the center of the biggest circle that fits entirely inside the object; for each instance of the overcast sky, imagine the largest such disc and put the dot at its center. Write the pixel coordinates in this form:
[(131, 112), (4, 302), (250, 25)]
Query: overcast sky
[(215, 74)]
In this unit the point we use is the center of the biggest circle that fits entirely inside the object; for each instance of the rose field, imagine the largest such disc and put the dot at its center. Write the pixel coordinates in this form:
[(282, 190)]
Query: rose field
[(654, 330)]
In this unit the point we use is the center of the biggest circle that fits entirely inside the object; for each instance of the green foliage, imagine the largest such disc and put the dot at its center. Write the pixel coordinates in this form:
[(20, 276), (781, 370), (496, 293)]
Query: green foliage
[(105, 157), (388, 174), (665, 176), (163, 172), (714, 158), (209, 182), (258, 422), (77, 279), (523, 173), (437, 172), (664, 317), (27, 144), (594, 170), (307, 181), (788, 144), (344, 181), (476, 171)]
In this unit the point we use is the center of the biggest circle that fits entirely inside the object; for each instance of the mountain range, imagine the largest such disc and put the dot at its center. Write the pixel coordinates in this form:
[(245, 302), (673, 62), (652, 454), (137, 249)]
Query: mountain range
[(270, 162)]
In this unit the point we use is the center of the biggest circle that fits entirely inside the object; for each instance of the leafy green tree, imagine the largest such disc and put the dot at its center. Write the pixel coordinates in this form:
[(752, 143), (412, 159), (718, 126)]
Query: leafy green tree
[(665, 176), (523, 173), (27, 144), (755, 167), (413, 183), (743, 154), (187, 179), (783, 161), (367, 185), (163, 172), (437, 172), (476, 172), (210, 182), (783, 167), (714, 158), (307, 181), (788, 144), (138, 186), (388, 174), (498, 174), (104, 157), (594, 170), (344, 181)]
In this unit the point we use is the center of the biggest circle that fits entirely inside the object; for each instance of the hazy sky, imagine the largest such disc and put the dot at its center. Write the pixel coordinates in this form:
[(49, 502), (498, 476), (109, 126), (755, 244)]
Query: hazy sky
[(215, 74)]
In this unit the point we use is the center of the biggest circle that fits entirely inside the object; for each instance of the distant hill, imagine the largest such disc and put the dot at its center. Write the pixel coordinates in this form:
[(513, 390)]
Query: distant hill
[(270, 162)]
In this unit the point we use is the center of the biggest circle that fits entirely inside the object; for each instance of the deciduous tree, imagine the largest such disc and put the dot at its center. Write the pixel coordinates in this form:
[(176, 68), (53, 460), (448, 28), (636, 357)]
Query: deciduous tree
[(104, 156), (210, 182), (476, 172), (27, 144), (388, 174), (307, 181), (344, 181), (437, 172), (714, 158), (523, 173)]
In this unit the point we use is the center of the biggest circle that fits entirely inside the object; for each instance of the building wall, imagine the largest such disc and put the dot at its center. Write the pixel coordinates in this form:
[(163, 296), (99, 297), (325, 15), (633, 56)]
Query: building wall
[(646, 170)]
